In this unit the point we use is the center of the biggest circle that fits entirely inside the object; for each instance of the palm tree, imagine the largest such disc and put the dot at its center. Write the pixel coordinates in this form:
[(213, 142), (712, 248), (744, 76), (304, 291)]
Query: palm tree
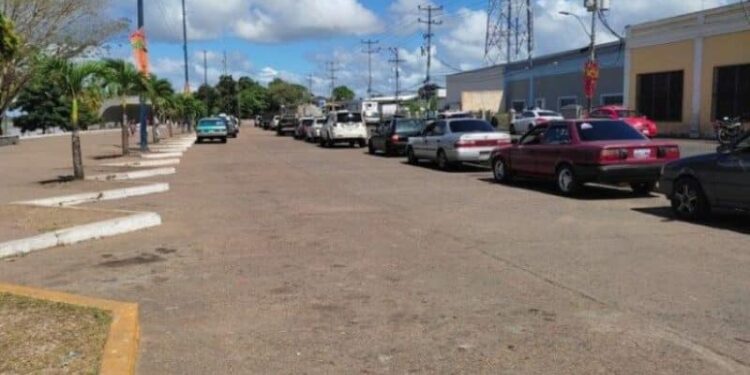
[(159, 89), (123, 79), (74, 80)]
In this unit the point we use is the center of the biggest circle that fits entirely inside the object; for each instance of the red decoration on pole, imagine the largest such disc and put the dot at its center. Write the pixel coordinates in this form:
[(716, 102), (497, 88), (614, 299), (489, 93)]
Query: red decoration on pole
[(590, 78), (140, 50)]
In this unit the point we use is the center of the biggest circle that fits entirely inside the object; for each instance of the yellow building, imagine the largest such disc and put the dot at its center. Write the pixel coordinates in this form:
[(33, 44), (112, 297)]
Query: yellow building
[(684, 72)]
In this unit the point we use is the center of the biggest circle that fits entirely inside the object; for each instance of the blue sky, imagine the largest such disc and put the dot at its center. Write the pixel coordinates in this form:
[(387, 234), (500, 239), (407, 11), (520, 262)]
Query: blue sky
[(292, 39)]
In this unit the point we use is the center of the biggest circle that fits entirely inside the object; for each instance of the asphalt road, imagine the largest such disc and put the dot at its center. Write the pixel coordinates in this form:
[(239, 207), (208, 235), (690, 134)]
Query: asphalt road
[(280, 257)]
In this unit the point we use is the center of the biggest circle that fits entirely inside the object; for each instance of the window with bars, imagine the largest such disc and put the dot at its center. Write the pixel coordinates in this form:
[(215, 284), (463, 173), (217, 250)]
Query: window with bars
[(731, 96), (660, 95)]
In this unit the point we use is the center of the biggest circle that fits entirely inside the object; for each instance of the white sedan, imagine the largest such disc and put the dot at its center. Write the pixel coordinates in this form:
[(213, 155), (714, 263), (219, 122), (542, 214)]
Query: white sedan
[(531, 118), (454, 141)]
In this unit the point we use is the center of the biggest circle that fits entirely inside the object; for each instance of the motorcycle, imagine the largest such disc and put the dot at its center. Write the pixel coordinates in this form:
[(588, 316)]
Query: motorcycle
[(728, 130)]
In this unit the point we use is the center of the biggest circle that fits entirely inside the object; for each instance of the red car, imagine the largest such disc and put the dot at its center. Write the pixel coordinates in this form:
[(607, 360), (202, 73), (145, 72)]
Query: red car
[(575, 152), (635, 119)]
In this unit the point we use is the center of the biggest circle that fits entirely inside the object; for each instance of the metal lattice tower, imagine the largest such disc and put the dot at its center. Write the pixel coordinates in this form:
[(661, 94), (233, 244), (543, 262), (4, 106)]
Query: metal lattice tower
[(510, 29)]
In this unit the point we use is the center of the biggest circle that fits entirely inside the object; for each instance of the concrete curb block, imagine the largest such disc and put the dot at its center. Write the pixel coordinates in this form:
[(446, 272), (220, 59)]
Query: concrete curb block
[(120, 353), (61, 134), (69, 236), (143, 164), (72, 200), (164, 155), (132, 175)]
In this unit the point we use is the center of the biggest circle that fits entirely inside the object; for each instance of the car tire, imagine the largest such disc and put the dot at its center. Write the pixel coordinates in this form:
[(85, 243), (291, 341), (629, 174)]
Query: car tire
[(352, 144), (223, 140), (501, 171), (512, 129), (688, 200), (643, 188), (370, 148), (566, 181), (362, 143), (442, 161), (199, 140), (410, 157), (530, 128)]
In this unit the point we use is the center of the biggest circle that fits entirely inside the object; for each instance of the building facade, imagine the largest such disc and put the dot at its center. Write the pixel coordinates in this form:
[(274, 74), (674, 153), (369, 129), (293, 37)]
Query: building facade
[(687, 71), (475, 90)]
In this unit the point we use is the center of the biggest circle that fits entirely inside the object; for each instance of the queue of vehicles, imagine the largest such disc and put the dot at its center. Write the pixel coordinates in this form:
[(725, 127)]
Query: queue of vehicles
[(217, 128), (612, 146)]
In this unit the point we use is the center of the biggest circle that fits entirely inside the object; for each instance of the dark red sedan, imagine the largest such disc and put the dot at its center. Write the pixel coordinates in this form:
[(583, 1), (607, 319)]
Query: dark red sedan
[(633, 118), (575, 152)]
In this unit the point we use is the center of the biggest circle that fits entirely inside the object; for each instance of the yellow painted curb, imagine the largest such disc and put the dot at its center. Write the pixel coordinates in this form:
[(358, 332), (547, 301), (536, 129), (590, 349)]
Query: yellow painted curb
[(121, 349)]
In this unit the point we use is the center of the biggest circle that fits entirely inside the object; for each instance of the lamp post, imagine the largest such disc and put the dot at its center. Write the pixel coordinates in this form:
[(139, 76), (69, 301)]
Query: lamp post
[(593, 8)]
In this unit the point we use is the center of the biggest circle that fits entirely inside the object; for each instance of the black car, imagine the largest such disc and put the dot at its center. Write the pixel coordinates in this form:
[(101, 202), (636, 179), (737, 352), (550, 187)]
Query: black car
[(392, 136), (287, 125), (697, 184)]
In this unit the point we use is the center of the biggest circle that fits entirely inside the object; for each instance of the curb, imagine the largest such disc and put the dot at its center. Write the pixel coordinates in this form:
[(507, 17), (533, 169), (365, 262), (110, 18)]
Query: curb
[(132, 175), (143, 164), (71, 200), (164, 155), (120, 352), (69, 236), (61, 134)]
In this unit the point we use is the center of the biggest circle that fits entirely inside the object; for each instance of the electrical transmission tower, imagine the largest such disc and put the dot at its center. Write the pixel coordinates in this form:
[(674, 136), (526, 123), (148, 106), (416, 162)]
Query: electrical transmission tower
[(332, 68), (430, 21), (510, 25)]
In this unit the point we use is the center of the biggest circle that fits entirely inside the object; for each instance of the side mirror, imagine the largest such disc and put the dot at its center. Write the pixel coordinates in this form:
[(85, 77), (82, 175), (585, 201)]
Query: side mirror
[(724, 149)]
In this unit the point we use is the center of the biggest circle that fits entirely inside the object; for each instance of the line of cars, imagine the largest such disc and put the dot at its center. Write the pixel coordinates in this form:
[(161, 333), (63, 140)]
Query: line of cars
[(218, 128), (571, 153)]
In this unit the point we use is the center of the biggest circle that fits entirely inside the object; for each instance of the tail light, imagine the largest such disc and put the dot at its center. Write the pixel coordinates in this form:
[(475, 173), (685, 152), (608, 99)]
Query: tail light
[(395, 138), (668, 152), (540, 121), (465, 143), (613, 154), (481, 143)]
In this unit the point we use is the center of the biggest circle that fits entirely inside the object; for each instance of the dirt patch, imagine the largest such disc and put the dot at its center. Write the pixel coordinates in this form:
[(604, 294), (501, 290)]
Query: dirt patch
[(20, 221), (52, 338)]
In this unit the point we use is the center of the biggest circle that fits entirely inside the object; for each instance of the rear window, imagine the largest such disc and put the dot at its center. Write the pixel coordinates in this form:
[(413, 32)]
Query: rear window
[(320, 121), (307, 122), (549, 114), (348, 117), (607, 131), (408, 126), (471, 126), (211, 123), (627, 113)]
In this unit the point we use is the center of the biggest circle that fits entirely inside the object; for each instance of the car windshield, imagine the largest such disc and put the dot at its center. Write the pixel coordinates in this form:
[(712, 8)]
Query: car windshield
[(624, 113), (471, 126), (408, 126), (307, 122), (320, 121), (203, 123), (348, 117), (607, 131), (549, 114)]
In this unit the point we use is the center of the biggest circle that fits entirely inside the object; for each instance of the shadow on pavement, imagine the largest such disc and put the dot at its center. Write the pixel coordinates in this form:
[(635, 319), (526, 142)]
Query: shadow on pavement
[(462, 168), (58, 180), (587, 193), (727, 220)]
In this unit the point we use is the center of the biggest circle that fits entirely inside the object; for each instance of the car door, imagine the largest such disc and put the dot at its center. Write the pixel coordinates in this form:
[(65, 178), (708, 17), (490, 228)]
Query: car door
[(523, 156), (434, 141), (732, 176), (381, 134), (419, 142)]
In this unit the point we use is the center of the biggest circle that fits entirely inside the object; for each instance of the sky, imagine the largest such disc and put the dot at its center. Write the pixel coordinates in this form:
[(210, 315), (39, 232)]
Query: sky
[(293, 39)]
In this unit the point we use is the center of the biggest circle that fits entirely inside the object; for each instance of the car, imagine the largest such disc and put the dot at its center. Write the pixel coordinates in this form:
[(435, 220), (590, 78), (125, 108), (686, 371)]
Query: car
[(272, 123), (392, 136), (343, 127), (454, 141), (531, 118), (635, 119), (312, 132), (454, 114), (304, 122), (698, 184), (233, 126), (212, 128), (287, 125), (576, 152)]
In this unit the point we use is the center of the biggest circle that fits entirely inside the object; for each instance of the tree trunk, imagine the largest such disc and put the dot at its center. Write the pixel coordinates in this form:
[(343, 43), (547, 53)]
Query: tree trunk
[(76, 143), (169, 126), (155, 133), (125, 130)]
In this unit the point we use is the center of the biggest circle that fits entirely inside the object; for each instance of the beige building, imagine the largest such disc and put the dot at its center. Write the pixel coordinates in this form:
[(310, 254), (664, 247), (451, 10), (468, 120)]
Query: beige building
[(686, 71)]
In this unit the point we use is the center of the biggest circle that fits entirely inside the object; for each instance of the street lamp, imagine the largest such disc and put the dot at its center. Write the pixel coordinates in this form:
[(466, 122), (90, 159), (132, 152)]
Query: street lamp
[(579, 19), (592, 47)]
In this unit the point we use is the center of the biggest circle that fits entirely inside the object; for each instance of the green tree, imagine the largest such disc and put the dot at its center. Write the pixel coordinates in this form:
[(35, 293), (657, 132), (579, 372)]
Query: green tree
[(208, 95), (283, 94), (253, 101), (123, 79), (342, 94), (43, 106), (226, 91), (158, 91), (9, 40), (74, 79)]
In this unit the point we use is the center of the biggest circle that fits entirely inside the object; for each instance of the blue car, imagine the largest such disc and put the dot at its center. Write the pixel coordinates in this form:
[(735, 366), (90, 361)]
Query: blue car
[(212, 128)]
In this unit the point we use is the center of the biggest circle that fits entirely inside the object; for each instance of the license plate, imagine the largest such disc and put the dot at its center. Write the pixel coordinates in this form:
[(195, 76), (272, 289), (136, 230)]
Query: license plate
[(642, 153)]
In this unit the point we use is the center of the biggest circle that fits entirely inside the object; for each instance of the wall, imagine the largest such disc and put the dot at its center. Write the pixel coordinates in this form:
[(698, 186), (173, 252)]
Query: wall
[(486, 79), (475, 101)]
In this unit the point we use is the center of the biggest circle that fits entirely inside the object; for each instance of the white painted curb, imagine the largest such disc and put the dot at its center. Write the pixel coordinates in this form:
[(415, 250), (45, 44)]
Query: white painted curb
[(132, 175), (164, 155), (169, 149), (143, 164), (72, 200), (80, 233)]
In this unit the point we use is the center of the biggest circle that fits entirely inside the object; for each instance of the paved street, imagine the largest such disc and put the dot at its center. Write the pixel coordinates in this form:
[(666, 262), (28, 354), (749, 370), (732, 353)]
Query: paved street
[(280, 257)]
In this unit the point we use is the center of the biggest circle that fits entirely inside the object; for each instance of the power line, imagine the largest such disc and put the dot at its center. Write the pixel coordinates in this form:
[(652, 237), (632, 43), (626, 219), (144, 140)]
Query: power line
[(396, 60), (332, 69), (429, 35), (369, 51)]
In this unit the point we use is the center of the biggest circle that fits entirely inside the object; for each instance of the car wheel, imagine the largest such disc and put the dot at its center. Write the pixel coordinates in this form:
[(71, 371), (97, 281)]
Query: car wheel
[(688, 200), (643, 188), (362, 143), (501, 171), (370, 148), (531, 126), (199, 140), (224, 140), (442, 161), (567, 184), (512, 129), (352, 144), (410, 157)]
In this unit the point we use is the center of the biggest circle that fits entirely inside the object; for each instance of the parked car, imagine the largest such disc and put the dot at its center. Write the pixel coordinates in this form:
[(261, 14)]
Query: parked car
[(312, 132), (287, 125), (272, 123), (212, 128), (302, 124), (453, 141), (392, 136), (696, 185), (635, 119), (531, 118), (343, 127), (233, 125), (575, 152)]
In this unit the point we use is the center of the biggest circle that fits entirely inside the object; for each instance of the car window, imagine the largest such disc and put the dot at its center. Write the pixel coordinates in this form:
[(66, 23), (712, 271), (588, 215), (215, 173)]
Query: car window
[(210, 123), (528, 115), (549, 114), (471, 126), (534, 137), (348, 117), (439, 128), (557, 135), (624, 113), (321, 121), (599, 114), (607, 131), (409, 126), (307, 122)]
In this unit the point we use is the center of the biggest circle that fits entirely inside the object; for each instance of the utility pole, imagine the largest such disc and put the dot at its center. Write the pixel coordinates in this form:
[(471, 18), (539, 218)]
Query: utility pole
[(397, 62), (530, 51), (332, 69), (185, 47), (205, 67), (369, 51), (428, 36), (141, 99), (310, 79), (225, 63), (593, 6)]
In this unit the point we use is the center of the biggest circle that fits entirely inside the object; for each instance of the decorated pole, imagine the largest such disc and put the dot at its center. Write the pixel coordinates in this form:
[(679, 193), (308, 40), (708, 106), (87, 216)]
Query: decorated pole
[(138, 41)]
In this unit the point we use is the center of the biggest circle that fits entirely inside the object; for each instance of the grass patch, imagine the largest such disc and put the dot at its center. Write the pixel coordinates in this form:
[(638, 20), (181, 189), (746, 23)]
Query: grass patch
[(38, 336)]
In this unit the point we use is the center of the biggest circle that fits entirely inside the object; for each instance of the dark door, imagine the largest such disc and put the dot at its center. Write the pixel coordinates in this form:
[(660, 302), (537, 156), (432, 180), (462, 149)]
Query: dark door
[(523, 156), (732, 176), (548, 153)]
